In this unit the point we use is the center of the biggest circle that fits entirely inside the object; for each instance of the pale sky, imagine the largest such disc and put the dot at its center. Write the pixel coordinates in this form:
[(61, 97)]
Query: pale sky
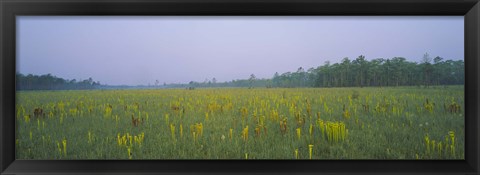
[(119, 50)]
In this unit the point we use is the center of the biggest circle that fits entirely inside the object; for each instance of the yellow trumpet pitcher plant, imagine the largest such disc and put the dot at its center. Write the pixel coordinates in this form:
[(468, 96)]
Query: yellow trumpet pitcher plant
[(245, 134), (129, 153), (59, 148), (299, 133), (296, 153), (310, 150), (64, 142), (172, 130), (181, 131), (310, 130)]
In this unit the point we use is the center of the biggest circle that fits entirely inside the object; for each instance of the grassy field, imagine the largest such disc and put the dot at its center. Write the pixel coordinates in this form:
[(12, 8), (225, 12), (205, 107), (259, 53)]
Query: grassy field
[(230, 123)]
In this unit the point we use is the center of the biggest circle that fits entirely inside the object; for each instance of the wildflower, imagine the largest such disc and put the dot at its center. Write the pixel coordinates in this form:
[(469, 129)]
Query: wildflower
[(283, 126), (257, 131), (439, 148), (310, 150), (119, 140), (181, 131), (311, 129), (223, 137), (194, 136), (166, 119), (452, 136), (452, 150), (129, 153), (64, 142), (59, 148), (130, 139), (296, 153), (433, 145), (124, 139), (245, 134), (172, 129), (299, 133), (427, 143)]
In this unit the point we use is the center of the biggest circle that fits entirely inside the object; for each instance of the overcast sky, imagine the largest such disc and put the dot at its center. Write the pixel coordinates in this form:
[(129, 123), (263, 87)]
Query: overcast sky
[(139, 50)]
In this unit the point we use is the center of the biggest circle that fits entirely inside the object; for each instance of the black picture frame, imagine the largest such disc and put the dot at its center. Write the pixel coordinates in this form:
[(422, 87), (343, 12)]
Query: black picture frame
[(9, 9)]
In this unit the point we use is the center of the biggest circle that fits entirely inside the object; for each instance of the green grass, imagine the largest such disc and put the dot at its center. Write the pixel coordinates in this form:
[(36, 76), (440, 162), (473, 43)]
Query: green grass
[(394, 127)]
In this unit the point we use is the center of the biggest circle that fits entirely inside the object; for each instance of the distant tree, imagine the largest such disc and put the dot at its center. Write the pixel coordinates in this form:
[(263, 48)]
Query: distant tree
[(438, 67), (310, 76), (323, 78), (427, 69), (361, 67), (345, 74), (252, 80), (426, 58), (50, 82), (205, 82), (90, 81), (375, 72), (276, 79), (398, 70), (437, 59), (300, 77), (214, 80)]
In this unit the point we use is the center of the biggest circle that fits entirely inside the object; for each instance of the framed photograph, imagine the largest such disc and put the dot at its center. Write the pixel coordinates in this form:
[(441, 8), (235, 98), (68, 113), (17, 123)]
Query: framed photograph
[(142, 87)]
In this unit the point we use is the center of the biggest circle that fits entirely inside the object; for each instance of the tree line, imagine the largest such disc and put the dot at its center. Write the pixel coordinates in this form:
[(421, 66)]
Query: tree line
[(359, 72), (245, 83), (50, 82), (377, 72)]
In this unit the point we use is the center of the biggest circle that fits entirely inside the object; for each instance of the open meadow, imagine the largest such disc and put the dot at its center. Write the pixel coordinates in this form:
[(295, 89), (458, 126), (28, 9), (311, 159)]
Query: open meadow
[(241, 123)]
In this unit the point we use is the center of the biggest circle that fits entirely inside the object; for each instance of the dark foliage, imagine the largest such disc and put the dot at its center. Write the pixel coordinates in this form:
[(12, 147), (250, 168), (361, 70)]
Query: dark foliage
[(49, 82), (377, 72)]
